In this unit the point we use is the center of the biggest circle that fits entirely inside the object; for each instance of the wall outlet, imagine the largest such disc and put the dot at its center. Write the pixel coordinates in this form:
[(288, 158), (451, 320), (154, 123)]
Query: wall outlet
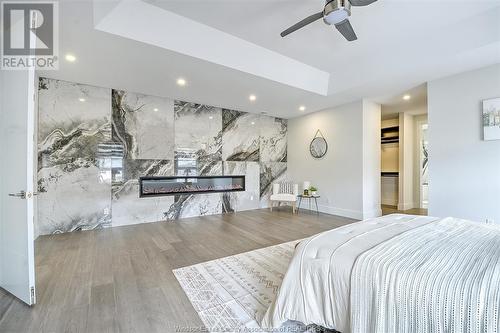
[(490, 221)]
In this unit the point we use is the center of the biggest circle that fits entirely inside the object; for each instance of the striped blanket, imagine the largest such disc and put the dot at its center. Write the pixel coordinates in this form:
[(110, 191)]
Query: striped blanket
[(441, 277), (397, 273)]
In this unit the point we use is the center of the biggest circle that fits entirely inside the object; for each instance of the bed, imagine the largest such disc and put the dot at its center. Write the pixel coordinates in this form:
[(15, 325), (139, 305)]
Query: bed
[(397, 273)]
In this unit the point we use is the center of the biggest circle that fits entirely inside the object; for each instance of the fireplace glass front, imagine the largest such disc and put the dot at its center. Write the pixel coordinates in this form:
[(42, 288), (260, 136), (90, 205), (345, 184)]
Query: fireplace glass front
[(164, 186)]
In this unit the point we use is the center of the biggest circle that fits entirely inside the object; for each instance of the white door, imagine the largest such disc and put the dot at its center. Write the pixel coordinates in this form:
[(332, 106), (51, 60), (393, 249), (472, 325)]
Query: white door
[(17, 266)]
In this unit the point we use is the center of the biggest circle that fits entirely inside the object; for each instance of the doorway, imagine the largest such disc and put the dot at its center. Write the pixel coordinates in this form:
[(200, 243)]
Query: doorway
[(424, 165)]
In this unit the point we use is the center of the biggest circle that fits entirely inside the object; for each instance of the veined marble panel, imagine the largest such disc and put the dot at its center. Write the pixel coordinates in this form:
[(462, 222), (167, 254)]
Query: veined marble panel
[(128, 208), (249, 199), (195, 205), (144, 125), (273, 139), (73, 119), (270, 172), (197, 131), (240, 136), (74, 169)]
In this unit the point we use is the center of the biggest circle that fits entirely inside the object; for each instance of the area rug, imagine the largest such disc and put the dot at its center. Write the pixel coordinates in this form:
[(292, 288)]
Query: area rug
[(232, 294)]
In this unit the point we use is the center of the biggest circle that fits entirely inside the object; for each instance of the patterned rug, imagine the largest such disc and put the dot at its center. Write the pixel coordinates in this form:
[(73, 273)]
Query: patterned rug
[(233, 293)]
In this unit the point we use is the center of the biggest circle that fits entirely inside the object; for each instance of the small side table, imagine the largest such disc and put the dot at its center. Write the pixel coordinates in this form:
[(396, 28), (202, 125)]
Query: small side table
[(309, 198)]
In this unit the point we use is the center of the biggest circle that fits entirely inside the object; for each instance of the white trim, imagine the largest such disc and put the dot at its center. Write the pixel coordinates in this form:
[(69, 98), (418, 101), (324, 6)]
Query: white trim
[(353, 214), (371, 214)]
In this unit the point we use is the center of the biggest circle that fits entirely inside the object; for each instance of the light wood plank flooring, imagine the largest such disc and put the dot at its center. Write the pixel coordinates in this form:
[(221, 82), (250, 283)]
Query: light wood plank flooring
[(121, 280), (386, 210)]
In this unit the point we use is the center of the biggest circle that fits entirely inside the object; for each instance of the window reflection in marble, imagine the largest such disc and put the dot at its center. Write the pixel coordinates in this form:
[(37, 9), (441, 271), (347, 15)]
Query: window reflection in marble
[(186, 166)]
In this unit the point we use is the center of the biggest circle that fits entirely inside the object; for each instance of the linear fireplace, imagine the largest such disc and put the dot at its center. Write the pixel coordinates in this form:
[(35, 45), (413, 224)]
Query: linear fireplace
[(163, 186)]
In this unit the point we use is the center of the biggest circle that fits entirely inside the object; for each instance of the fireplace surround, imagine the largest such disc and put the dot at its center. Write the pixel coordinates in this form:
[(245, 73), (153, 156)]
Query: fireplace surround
[(165, 186)]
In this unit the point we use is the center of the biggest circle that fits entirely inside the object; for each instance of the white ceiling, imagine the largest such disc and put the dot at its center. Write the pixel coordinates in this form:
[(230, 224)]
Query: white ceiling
[(395, 104), (401, 45)]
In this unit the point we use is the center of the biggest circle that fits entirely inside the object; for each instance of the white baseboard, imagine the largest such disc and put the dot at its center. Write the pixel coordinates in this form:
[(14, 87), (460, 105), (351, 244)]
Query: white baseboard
[(353, 214), (350, 213)]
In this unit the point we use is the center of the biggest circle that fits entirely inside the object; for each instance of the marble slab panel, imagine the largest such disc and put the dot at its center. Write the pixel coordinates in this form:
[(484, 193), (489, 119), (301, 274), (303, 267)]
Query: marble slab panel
[(127, 207), (144, 125), (249, 199), (195, 205), (74, 169), (73, 119), (273, 139), (197, 131), (240, 136), (74, 197), (270, 172)]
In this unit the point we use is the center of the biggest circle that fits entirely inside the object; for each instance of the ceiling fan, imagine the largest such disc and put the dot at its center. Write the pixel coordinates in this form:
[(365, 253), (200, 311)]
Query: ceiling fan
[(336, 12)]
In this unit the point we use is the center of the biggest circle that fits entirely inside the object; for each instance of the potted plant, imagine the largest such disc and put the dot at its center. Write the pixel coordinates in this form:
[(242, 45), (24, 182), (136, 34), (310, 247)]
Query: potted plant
[(313, 190)]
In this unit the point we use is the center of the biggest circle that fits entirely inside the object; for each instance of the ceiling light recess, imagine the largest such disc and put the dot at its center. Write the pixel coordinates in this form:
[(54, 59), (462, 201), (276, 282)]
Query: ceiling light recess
[(302, 108), (406, 97), (181, 82), (252, 98), (70, 58)]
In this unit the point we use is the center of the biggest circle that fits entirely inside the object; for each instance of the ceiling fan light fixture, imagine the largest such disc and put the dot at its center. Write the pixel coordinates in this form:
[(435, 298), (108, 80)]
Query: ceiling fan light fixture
[(336, 16), (335, 12)]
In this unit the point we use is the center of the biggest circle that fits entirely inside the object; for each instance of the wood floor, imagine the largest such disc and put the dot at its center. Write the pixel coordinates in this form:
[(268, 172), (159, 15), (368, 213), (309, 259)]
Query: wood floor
[(121, 280), (386, 210)]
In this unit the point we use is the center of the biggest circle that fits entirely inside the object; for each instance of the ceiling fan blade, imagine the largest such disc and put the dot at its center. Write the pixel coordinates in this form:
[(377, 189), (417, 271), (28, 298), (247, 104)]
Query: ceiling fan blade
[(303, 23), (345, 28), (361, 2)]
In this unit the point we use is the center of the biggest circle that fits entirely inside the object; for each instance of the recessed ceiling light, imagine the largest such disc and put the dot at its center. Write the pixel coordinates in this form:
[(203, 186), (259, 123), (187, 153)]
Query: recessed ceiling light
[(211, 117), (155, 109), (181, 82), (253, 122), (302, 108), (406, 97), (81, 99), (70, 57), (252, 98)]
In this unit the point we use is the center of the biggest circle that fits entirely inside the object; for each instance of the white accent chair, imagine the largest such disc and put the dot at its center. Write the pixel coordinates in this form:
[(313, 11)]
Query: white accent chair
[(284, 192)]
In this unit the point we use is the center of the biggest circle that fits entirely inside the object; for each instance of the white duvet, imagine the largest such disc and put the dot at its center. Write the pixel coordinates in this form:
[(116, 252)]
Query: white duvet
[(398, 273)]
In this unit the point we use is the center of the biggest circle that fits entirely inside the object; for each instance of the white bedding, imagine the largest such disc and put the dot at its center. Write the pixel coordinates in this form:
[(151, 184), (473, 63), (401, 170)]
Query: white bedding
[(398, 273)]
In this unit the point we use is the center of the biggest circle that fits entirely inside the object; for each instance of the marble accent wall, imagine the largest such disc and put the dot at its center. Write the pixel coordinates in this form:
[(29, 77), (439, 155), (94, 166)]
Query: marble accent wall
[(74, 162), (95, 143)]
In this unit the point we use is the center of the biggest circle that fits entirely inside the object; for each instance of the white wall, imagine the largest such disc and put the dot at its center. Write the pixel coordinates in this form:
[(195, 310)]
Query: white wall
[(406, 161), (464, 171), (371, 159), (341, 175)]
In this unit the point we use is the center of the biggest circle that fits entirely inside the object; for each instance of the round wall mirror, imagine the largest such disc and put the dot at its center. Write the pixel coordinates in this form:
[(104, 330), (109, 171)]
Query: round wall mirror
[(318, 147)]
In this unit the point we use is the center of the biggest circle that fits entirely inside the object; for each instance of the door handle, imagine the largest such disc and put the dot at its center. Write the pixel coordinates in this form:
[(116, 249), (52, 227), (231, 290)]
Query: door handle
[(21, 195)]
